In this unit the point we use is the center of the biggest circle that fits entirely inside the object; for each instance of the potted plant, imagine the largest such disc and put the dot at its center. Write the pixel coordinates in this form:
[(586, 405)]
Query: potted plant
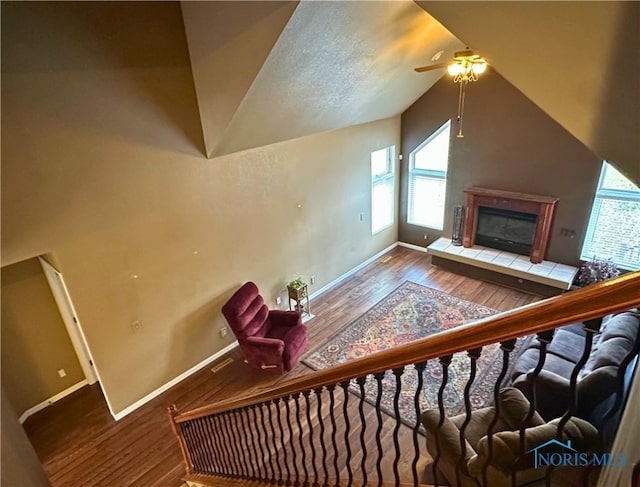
[(596, 270), (297, 283)]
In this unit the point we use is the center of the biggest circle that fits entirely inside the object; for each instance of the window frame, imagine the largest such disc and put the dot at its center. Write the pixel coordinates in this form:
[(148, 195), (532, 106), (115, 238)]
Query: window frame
[(414, 172), (386, 178)]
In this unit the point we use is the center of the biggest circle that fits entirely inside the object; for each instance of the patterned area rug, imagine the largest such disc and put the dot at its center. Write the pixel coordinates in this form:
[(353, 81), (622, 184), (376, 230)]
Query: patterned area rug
[(409, 313)]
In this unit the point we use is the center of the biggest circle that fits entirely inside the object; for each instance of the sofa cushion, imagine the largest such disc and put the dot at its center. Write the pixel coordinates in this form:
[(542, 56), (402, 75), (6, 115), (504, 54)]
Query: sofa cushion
[(567, 345), (529, 359)]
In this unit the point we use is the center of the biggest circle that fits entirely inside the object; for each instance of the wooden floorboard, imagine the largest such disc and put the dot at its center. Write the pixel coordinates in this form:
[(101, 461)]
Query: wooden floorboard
[(80, 444)]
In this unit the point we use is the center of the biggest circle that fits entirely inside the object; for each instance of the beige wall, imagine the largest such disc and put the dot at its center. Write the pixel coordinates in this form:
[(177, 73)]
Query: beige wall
[(508, 144), (102, 163), (35, 343), (20, 464)]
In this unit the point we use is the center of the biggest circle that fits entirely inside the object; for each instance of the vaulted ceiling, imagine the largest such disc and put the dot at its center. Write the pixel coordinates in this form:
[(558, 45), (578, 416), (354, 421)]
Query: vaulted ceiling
[(266, 72)]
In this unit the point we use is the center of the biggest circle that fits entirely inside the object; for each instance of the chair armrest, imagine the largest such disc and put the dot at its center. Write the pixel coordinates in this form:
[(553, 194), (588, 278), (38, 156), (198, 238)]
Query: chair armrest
[(447, 439), (286, 318)]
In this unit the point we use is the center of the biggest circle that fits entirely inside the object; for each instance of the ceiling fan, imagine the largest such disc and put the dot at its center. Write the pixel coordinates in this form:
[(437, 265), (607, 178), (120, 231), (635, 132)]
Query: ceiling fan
[(465, 67)]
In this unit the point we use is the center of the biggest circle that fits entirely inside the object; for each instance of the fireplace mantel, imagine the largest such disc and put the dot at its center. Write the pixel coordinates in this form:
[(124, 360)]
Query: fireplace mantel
[(541, 206)]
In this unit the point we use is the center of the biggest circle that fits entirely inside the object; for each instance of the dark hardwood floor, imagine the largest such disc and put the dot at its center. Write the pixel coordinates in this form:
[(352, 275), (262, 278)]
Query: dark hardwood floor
[(80, 444)]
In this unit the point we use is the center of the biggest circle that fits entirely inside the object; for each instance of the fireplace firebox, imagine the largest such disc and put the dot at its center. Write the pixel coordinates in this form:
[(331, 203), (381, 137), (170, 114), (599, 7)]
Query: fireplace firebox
[(517, 222), (508, 230)]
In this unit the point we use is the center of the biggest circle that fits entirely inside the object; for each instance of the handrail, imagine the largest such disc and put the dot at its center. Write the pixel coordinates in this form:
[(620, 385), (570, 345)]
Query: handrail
[(591, 302)]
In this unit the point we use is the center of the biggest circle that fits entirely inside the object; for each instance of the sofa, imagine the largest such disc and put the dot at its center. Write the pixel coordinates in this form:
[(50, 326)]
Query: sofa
[(612, 347)]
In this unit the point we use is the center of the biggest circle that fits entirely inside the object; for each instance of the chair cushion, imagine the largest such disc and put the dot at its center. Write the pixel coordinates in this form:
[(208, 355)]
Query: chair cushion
[(506, 444)]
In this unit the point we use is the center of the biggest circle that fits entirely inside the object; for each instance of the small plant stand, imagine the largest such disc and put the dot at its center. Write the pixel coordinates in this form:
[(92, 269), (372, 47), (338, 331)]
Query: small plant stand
[(299, 299)]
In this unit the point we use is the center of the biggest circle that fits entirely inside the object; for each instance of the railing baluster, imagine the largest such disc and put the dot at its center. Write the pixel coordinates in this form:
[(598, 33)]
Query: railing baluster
[(238, 435), (444, 361), (307, 403), (397, 372), (282, 444), (419, 368), (378, 377), (474, 355), (506, 347), (363, 464), (296, 398), (345, 410), (268, 465), (334, 443), (250, 445), (276, 456), (293, 449), (259, 449), (322, 429)]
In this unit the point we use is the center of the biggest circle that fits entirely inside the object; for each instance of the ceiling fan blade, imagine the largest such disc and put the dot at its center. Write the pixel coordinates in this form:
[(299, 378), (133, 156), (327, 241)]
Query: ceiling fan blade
[(422, 69)]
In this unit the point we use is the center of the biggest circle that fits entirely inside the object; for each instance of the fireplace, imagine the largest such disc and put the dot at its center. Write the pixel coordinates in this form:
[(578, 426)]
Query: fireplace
[(516, 222)]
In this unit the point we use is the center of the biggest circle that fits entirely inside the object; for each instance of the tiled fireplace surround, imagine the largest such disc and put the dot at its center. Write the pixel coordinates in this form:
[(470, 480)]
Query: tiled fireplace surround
[(518, 269)]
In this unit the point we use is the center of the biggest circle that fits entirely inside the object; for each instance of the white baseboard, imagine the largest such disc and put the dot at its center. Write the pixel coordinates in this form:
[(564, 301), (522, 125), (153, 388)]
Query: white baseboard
[(152, 395), (338, 280), (411, 246), (39, 407)]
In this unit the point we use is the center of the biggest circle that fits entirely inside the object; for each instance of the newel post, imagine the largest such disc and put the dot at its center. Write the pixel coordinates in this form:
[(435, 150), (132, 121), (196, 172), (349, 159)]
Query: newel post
[(173, 412)]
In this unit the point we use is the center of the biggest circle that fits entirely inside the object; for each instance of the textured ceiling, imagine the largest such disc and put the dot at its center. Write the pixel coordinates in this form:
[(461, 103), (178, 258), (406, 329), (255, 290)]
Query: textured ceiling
[(267, 71), (575, 60), (334, 64)]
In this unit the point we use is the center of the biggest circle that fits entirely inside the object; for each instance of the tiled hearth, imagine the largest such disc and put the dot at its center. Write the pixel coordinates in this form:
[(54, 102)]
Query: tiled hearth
[(546, 272)]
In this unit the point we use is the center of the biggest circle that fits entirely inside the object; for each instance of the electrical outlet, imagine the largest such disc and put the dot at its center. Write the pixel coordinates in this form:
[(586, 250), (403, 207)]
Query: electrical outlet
[(223, 332), (62, 373), (361, 217), (312, 280), (136, 325), (426, 236), (279, 300)]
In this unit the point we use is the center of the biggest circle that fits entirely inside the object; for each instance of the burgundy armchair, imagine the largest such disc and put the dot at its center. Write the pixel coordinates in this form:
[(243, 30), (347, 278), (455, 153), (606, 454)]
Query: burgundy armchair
[(272, 340)]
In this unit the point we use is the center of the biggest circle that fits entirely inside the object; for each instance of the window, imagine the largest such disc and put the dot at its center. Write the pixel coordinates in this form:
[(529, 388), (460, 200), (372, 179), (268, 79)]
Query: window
[(614, 226), (382, 189), (428, 180)]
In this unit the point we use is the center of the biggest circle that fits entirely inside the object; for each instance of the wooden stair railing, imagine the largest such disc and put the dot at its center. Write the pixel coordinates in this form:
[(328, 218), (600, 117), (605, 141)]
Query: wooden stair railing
[(280, 434)]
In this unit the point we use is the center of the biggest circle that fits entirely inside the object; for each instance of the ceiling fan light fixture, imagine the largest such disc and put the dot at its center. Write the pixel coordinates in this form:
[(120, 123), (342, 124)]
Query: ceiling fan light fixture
[(455, 69), (466, 66), (479, 67)]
